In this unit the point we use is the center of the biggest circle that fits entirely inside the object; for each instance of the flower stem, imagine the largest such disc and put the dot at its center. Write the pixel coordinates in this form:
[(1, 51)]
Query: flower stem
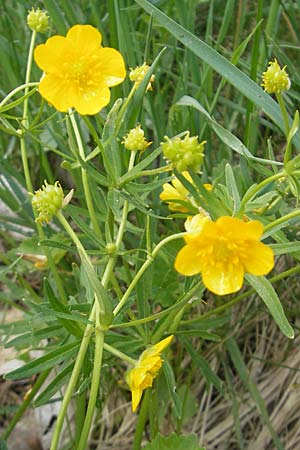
[(281, 220), (99, 337), (123, 110), (85, 178), (143, 268), (12, 93), (29, 186), (73, 380), (119, 354), (284, 113), (85, 341)]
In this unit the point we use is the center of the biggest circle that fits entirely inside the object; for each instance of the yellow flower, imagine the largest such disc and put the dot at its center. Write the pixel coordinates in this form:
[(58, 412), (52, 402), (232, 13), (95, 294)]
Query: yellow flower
[(138, 74), (275, 79), (78, 72), (135, 140), (175, 191), (223, 251), (142, 375)]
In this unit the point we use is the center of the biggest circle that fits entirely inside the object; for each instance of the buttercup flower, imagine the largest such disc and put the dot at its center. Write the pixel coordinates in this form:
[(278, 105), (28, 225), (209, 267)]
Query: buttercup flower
[(142, 375), (135, 140), (47, 201), (275, 79), (78, 72), (174, 193), (223, 251), (184, 153), (38, 21), (138, 74)]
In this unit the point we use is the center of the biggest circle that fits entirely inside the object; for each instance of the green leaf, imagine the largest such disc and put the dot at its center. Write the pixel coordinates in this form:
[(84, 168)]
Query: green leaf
[(174, 442), (210, 376), (46, 361), (268, 295), (221, 65), (67, 320), (3, 445), (54, 385), (225, 135), (286, 247), (170, 379)]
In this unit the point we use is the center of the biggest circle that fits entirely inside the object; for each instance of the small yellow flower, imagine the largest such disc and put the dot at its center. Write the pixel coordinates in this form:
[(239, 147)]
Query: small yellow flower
[(38, 21), (138, 74), (275, 79), (78, 72), (142, 375), (223, 251), (184, 153), (174, 193), (47, 201), (135, 140)]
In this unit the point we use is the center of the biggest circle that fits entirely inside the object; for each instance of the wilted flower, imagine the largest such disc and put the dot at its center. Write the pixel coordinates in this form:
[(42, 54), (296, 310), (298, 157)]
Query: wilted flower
[(135, 139), (142, 375), (223, 251), (38, 21), (275, 79), (47, 201), (184, 153), (78, 72), (138, 74)]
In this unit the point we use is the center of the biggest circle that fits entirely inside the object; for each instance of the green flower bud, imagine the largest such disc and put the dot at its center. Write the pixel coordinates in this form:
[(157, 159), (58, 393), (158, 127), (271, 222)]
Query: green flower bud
[(138, 74), (38, 21), (184, 153), (135, 140), (47, 201), (275, 79)]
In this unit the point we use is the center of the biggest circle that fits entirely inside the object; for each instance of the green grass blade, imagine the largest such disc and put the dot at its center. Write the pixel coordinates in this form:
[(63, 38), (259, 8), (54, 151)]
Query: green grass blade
[(220, 64), (268, 295)]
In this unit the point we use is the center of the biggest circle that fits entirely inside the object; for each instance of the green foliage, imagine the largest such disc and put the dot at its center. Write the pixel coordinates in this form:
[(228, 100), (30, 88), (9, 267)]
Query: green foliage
[(174, 442)]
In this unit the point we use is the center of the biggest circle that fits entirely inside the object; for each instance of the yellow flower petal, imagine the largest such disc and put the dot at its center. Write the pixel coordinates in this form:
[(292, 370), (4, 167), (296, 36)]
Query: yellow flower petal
[(91, 100), (52, 56), (162, 345), (112, 67), (136, 398), (221, 280), (85, 38), (259, 259), (187, 262), (60, 95)]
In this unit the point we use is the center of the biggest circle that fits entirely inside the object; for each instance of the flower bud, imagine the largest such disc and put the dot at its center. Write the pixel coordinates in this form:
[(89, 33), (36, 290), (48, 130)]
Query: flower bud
[(135, 140), (138, 74), (184, 153), (275, 79), (38, 21), (47, 201)]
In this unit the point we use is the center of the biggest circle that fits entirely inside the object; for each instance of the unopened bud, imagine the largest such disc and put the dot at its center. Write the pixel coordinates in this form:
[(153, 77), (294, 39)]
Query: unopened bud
[(135, 140), (38, 21), (47, 201), (184, 153)]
